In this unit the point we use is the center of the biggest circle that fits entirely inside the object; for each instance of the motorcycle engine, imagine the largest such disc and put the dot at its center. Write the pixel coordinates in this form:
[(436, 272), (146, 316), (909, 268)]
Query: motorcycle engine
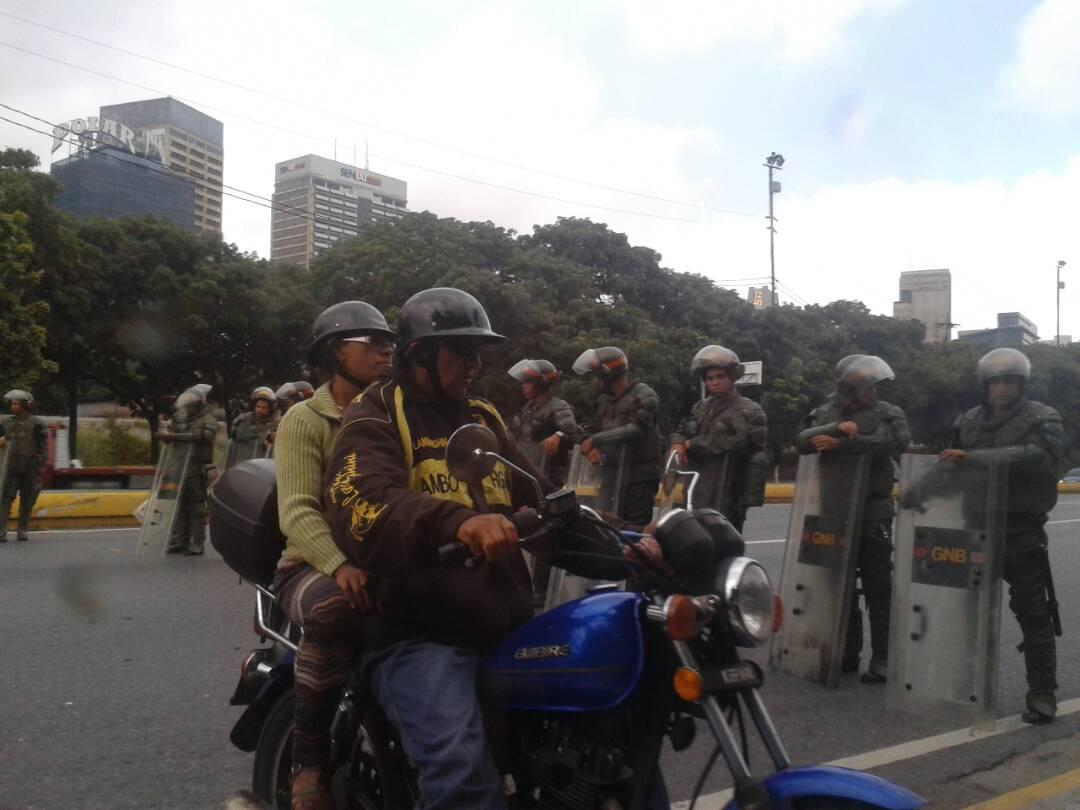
[(574, 765)]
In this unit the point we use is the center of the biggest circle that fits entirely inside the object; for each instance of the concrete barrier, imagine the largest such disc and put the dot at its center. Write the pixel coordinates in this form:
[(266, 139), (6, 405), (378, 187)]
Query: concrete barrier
[(85, 508)]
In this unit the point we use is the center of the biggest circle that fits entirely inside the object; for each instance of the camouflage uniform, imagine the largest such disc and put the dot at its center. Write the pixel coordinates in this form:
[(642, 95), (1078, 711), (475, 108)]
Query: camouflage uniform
[(883, 434), (250, 436), (26, 453), (631, 420), (189, 531), (1030, 437), (725, 444), (543, 417)]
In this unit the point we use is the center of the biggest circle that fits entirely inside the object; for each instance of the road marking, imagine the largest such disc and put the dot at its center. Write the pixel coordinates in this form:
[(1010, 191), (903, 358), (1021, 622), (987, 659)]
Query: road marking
[(86, 531), (899, 753), (1025, 796), (756, 542)]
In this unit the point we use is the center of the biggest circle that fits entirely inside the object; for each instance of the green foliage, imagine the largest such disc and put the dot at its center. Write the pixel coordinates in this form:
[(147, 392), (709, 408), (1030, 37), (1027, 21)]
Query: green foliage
[(22, 318), (141, 310), (113, 446)]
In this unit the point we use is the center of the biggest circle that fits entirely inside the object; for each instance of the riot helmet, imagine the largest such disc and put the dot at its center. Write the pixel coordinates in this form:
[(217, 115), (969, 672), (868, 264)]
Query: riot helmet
[(203, 388), (345, 319), (606, 363), (1002, 363), (192, 402), (713, 356), (443, 312), (264, 393), (865, 370), (291, 393), (541, 373), (19, 395), (844, 362)]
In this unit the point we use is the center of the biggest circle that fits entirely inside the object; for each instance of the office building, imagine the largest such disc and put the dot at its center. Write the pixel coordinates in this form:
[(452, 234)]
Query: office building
[(1013, 331), (112, 182), (186, 141), (318, 202), (926, 296)]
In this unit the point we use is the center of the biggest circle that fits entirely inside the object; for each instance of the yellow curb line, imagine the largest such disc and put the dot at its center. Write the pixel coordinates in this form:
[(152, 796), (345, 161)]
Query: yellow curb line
[(1026, 796)]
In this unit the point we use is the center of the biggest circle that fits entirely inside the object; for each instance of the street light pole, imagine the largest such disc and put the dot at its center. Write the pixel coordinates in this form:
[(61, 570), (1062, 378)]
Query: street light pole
[(774, 161), (1057, 339)]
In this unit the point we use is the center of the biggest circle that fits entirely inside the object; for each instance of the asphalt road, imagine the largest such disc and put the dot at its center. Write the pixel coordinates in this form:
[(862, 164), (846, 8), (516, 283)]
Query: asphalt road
[(116, 673)]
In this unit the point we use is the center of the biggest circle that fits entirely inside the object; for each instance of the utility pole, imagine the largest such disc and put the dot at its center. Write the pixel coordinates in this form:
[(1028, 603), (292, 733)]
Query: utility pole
[(1057, 334), (775, 161)]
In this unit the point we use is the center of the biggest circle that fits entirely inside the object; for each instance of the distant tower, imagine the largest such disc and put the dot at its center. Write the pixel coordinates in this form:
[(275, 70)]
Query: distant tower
[(926, 296)]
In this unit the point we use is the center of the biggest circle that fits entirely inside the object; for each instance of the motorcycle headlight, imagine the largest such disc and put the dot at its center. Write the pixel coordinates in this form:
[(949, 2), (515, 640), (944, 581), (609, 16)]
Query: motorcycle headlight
[(748, 601)]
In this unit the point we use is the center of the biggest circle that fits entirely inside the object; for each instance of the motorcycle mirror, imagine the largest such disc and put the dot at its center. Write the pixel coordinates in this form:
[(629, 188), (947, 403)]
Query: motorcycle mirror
[(470, 453)]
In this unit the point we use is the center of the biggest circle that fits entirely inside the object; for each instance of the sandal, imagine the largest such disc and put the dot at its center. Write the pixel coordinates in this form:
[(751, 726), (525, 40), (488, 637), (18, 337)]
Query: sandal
[(315, 797)]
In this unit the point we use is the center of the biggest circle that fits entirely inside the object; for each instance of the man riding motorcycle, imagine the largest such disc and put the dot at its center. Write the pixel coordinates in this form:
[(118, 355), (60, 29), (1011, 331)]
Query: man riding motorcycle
[(392, 503)]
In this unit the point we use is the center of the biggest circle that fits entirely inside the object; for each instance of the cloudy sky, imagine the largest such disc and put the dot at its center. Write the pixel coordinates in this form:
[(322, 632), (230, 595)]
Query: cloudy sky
[(918, 134)]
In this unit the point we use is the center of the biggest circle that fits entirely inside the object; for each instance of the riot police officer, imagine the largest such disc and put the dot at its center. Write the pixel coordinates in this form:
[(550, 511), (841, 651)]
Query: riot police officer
[(1029, 437), (192, 424), (626, 417), (545, 421), (251, 430), (724, 438), (855, 420), (26, 454)]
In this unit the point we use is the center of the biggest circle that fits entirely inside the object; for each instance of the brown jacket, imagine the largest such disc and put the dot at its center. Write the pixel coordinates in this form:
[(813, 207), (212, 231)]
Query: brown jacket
[(391, 503)]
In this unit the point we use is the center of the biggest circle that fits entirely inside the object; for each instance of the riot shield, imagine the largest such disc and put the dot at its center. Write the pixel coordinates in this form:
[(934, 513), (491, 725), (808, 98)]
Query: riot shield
[(245, 450), (714, 488), (599, 486), (819, 566), (165, 495), (946, 612), (678, 486), (534, 452)]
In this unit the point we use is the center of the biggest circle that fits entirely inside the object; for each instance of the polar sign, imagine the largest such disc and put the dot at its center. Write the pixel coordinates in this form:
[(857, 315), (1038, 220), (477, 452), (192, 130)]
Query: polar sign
[(92, 125)]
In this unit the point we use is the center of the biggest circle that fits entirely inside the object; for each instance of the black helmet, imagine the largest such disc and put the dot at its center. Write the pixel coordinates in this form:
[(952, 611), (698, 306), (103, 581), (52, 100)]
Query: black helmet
[(717, 357), (443, 312), (1002, 363), (607, 362), (346, 318), (540, 372)]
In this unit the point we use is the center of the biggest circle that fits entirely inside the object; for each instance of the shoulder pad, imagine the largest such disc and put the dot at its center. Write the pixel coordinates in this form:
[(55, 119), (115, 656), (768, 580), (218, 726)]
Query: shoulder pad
[(1039, 410), (488, 409)]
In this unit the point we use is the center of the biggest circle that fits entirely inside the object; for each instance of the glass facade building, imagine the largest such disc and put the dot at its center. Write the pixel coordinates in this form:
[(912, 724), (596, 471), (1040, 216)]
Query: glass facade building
[(110, 182)]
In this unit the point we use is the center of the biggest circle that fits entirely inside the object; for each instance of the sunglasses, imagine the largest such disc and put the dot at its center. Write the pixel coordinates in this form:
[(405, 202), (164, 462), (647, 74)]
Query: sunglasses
[(375, 341), (469, 351)]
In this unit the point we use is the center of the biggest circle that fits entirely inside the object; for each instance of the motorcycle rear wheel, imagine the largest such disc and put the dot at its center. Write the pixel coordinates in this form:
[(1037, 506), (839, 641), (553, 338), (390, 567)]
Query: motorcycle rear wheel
[(272, 772)]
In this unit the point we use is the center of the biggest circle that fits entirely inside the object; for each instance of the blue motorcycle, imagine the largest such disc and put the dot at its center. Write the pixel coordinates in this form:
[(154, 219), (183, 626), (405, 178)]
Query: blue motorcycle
[(586, 692)]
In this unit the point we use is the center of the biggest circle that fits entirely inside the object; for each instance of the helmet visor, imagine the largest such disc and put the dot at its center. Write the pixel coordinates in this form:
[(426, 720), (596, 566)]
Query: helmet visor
[(867, 370)]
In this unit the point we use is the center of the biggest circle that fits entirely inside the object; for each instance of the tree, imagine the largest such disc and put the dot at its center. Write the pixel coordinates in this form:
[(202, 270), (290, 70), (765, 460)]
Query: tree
[(55, 259), (22, 315)]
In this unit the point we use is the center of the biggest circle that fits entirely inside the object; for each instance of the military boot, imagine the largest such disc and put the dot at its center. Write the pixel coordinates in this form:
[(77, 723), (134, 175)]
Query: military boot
[(1041, 708), (197, 545), (876, 672)]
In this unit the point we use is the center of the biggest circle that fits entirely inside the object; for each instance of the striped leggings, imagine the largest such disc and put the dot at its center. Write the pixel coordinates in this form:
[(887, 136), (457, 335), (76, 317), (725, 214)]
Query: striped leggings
[(324, 659)]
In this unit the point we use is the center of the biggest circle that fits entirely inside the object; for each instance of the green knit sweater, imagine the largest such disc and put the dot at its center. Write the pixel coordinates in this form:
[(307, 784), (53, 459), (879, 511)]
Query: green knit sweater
[(302, 448)]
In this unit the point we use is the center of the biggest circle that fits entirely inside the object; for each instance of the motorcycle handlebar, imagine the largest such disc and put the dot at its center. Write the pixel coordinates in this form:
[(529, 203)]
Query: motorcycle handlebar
[(456, 554)]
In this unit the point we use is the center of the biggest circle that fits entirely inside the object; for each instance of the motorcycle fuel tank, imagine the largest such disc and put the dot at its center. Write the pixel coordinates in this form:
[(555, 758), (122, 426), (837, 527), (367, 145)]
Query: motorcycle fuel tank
[(582, 656)]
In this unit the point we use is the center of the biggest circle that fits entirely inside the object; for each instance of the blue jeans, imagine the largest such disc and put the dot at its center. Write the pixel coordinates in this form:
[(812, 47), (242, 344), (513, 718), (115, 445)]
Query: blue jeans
[(428, 692)]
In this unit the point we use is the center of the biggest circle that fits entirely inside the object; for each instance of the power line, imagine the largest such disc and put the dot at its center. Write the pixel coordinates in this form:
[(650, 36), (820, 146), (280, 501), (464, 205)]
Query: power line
[(175, 169), (409, 164), (370, 125)]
